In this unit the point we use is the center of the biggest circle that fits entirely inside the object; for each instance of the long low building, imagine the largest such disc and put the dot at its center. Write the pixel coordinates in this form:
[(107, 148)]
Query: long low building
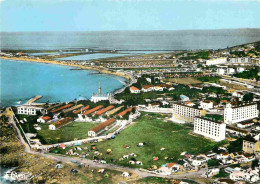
[(73, 108), (102, 111), (209, 128), (124, 112), (93, 110), (185, 113), (81, 110), (94, 131), (114, 111), (235, 114), (61, 108), (216, 61)]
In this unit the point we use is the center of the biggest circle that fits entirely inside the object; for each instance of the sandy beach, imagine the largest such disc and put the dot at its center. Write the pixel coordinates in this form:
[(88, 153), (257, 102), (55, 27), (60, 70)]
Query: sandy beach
[(99, 69)]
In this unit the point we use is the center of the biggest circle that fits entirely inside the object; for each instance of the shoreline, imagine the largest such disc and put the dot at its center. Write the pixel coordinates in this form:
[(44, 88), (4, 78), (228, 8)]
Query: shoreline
[(46, 61), (129, 79)]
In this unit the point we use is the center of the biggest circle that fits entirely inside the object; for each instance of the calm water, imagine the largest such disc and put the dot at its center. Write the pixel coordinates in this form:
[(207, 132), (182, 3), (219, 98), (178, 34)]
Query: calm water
[(107, 55), (22, 80), (92, 56), (130, 40)]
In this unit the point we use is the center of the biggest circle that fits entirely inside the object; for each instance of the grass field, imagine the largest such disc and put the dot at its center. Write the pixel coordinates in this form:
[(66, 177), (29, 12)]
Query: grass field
[(156, 134), (187, 80), (75, 130)]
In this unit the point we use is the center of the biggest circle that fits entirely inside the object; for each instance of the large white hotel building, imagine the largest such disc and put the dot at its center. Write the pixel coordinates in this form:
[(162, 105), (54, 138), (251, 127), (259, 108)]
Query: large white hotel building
[(183, 113), (240, 113), (209, 128)]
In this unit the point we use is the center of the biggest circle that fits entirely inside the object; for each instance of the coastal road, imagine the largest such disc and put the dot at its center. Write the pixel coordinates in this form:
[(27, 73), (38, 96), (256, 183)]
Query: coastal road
[(140, 173), (92, 164)]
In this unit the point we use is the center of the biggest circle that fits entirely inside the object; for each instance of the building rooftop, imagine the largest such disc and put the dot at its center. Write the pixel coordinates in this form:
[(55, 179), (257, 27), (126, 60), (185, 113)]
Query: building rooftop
[(61, 108), (134, 88), (103, 125), (124, 112), (93, 110), (102, 111), (82, 109)]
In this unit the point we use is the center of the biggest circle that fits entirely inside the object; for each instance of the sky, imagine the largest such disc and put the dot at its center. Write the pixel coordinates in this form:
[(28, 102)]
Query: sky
[(103, 15)]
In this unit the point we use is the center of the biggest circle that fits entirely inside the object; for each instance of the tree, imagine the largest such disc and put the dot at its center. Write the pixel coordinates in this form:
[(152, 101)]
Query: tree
[(212, 163), (127, 90), (255, 163), (248, 97), (235, 146), (199, 66), (61, 115), (38, 113)]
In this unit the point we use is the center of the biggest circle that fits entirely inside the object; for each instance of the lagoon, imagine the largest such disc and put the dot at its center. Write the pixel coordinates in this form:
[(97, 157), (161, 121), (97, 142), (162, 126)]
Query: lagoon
[(22, 80)]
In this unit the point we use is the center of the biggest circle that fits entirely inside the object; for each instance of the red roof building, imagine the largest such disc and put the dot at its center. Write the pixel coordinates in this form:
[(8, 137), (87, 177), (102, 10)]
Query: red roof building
[(83, 109), (61, 108), (103, 125), (102, 111), (124, 112), (93, 110)]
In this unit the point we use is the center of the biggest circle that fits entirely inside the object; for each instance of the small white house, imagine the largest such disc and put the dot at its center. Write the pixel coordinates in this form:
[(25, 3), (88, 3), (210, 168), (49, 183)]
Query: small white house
[(125, 174), (52, 127), (43, 119), (206, 105)]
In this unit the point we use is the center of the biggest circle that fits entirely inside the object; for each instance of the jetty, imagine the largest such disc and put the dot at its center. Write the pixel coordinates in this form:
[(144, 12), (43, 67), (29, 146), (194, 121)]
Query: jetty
[(33, 99)]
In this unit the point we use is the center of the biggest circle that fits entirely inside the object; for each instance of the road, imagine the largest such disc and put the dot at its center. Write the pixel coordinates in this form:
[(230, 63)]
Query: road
[(92, 164)]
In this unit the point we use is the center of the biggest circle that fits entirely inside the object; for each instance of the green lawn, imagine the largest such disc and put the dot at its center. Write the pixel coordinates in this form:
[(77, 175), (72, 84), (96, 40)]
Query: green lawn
[(157, 134), (75, 130)]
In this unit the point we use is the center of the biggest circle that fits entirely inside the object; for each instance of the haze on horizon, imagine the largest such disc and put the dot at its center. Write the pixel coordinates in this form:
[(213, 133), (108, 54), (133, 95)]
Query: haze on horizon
[(107, 15)]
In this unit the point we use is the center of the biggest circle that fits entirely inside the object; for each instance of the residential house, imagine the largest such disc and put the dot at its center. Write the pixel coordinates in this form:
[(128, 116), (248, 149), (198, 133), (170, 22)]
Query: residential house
[(43, 119), (206, 105), (147, 88), (134, 89), (52, 127), (190, 104)]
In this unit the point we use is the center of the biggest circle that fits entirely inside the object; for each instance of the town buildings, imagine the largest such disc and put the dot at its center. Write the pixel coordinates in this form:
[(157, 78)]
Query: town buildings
[(209, 128), (240, 113)]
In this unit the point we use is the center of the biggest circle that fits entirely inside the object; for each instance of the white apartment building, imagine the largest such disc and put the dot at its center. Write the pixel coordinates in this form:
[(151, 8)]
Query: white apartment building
[(183, 113), (239, 60), (240, 113), (30, 110), (209, 128), (216, 61)]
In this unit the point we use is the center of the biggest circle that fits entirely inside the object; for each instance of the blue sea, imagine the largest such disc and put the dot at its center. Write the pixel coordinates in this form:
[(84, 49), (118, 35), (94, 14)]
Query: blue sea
[(22, 80), (129, 40)]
